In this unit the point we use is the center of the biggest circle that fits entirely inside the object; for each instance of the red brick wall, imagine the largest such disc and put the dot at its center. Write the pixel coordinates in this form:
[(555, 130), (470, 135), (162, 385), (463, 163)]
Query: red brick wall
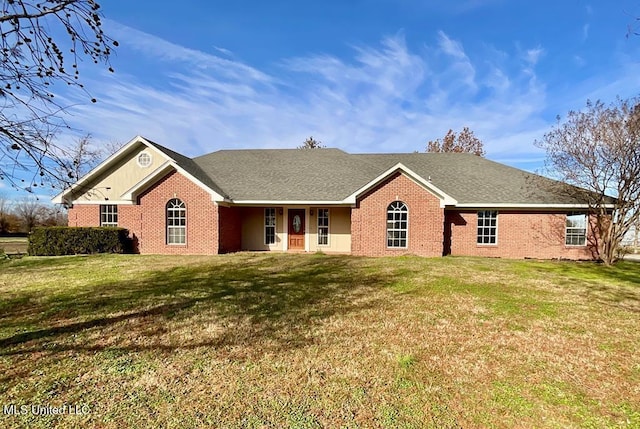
[(130, 217), (369, 219), (84, 215), (521, 234), (146, 221), (230, 227), (202, 217)]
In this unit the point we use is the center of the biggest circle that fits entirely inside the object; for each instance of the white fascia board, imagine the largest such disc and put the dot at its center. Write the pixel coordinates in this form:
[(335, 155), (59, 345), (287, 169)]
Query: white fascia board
[(60, 198), (163, 168), (445, 200), (525, 206), (160, 172), (103, 202), (289, 203), (216, 197)]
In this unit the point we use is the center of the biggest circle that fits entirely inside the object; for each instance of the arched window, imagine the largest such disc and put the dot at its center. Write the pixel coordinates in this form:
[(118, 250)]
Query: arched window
[(176, 222), (397, 224)]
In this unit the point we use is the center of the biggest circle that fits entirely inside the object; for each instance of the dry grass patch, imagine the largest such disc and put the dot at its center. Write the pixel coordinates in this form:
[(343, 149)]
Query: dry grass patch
[(13, 245), (304, 341)]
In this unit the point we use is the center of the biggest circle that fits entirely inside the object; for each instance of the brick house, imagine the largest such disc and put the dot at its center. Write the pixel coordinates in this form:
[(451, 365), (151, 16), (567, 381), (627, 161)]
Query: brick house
[(428, 204)]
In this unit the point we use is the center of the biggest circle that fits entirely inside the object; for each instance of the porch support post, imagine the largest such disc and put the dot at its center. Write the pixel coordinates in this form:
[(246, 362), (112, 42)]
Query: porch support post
[(285, 226)]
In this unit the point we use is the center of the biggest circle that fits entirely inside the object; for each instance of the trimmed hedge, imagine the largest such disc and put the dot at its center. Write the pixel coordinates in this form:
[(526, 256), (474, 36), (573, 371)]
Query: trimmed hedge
[(66, 240)]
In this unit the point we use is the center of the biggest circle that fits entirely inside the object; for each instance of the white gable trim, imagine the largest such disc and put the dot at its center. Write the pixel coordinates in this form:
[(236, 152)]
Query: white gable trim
[(214, 195), (445, 200), (162, 171), (147, 181), (61, 197), (128, 195), (103, 202)]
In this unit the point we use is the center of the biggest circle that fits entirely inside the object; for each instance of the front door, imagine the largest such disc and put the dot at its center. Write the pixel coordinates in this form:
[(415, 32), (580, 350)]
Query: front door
[(296, 229)]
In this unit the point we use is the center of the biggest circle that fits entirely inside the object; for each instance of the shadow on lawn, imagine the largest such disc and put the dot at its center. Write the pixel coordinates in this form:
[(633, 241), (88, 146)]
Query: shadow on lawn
[(253, 297), (617, 286)]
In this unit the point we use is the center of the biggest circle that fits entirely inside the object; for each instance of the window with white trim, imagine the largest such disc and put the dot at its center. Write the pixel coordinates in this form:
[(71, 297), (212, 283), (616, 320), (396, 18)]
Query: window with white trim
[(487, 227), (576, 229), (323, 227), (176, 222), (397, 224), (144, 159), (108, 215), (269, 225)]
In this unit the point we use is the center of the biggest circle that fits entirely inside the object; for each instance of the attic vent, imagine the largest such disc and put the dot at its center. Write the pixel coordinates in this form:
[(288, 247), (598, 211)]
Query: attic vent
[(144, 159)]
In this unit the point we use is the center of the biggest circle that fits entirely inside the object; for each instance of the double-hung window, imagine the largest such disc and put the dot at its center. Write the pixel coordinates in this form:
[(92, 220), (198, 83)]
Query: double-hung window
[(269, 225), (576, 229), (487, 227), (108, 215), (323, 227)]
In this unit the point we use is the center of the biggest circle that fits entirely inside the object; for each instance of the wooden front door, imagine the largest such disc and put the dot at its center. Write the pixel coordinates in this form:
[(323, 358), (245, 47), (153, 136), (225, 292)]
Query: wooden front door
[(296, 229)]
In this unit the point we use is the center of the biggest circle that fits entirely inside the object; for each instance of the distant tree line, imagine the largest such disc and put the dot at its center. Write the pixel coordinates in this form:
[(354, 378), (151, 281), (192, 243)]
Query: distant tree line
[(23, 215)]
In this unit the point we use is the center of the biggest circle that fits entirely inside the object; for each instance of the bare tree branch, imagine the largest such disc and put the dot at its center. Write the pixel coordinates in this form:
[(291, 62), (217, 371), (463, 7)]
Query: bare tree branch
[(598, 150), (34, 58)]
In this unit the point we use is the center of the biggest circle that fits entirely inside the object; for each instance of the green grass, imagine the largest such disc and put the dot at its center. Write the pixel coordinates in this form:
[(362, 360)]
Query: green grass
[(308, 341)]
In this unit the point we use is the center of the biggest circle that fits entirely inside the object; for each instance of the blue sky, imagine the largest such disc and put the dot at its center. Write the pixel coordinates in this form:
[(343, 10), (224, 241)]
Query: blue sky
[(363, 76)]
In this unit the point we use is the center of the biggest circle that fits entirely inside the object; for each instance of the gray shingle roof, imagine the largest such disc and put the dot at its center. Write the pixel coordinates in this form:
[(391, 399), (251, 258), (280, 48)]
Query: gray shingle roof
[(333, 175), (471, 179), (287, 174), (190, 166)]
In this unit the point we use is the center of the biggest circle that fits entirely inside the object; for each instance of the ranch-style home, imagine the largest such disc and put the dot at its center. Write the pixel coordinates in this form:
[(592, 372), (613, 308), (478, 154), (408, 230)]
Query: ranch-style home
[(293, 200)]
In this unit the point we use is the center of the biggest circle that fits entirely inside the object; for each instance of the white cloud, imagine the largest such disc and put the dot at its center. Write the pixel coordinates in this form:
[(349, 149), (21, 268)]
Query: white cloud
[(168, 52), (385, 98), (461, 68), (532, 56), (451, 47), (585, 32)]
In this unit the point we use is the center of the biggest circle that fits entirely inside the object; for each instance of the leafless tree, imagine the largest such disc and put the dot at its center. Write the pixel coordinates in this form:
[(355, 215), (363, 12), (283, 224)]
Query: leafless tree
[(5, 213), (30, 211), (465, 141), (82, 157), (311, 143), (33, 58), (107, 149), (53, 216), (598, 150)]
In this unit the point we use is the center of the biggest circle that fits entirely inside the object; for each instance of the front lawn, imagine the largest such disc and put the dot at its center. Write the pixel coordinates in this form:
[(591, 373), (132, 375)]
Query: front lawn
[(307, 341)]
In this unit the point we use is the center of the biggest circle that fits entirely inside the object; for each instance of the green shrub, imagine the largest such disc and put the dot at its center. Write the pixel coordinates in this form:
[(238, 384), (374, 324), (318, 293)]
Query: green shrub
[(64, 240)]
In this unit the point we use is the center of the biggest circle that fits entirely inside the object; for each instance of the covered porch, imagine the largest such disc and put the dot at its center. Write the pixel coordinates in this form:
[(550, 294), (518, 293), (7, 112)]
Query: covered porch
[(291, 228)]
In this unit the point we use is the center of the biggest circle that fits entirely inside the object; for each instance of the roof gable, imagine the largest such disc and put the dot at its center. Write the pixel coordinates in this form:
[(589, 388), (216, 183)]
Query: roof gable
[(98, 184), (332, 176), (445, 200)]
